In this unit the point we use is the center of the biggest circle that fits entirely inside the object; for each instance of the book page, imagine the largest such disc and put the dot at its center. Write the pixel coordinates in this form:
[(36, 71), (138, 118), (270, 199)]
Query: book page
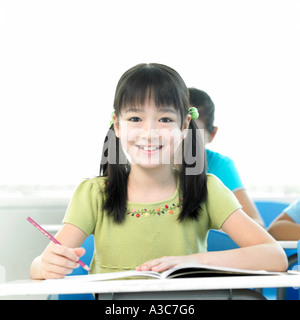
[(206, 270), (183, 271), (112, 276)]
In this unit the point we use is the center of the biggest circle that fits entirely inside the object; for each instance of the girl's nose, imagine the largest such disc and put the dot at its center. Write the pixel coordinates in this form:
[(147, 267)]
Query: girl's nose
[(150, 130)]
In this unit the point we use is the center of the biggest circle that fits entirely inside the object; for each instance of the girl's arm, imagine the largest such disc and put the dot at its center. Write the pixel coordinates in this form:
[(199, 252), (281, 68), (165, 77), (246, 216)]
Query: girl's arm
[(248, 206), (258, 250), (58, 260), (285, 228)]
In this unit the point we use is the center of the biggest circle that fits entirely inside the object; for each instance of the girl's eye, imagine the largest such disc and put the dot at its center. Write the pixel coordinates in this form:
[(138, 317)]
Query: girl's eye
[(135, 119), (166, 120)]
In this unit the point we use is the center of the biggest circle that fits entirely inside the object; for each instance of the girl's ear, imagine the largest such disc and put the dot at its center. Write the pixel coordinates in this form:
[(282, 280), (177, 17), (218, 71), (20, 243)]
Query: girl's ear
[(116, 125), (185, 126), (187, 121)]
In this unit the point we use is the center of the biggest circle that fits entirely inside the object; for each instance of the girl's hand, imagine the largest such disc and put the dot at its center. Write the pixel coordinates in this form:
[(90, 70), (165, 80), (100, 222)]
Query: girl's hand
[(58, 261), (165, 263)]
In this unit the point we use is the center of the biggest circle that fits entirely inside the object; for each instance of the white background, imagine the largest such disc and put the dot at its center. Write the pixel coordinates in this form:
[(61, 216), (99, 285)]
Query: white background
[(60, 62)]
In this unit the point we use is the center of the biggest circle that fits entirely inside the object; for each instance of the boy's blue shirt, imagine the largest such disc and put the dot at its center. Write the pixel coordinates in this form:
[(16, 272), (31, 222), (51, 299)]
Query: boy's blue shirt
[(293, 211), (224, 168)]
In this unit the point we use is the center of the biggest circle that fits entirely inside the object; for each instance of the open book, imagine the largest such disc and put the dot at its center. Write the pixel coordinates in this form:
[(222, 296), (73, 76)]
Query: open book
[(183, 271)]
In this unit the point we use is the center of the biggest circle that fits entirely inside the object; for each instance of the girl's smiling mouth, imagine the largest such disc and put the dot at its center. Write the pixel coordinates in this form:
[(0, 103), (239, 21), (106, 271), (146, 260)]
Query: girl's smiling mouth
[(149, 149)]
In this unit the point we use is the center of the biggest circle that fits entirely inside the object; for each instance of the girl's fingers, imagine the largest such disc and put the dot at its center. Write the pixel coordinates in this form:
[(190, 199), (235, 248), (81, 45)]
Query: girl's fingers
[(148, 265), (165, 265), (65, 252), (79, 251), (158, 265), (58, 270), (59, 260), (63, 262)]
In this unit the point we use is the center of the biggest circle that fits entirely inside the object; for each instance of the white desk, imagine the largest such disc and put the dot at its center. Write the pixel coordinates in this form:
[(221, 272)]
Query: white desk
[(31, 288), (288, 244)]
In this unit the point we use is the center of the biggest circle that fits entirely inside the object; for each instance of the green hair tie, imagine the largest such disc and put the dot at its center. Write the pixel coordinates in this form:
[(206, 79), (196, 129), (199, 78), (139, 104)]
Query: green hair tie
[(111, 119), (194, 113)]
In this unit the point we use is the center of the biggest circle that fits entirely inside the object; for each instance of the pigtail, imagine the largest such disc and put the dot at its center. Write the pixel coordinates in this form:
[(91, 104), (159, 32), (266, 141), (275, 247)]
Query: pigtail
[(193, 174), (114, 166)]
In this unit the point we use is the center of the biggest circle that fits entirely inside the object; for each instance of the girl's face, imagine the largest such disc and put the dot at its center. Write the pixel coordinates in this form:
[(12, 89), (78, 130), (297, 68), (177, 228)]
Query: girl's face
[(150, 135)]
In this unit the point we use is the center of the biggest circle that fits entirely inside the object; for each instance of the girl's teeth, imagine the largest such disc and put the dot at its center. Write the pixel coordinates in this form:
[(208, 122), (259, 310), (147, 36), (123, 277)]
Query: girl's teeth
[(149, 148)]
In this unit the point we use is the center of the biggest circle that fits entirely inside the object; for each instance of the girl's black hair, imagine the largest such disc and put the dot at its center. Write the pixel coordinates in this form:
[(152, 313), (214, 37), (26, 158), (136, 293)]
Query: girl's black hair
[(165, 86), (206, 108)]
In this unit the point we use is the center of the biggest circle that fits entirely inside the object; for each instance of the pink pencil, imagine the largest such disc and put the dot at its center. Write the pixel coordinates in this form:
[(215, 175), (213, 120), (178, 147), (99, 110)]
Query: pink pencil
[(82, 264)]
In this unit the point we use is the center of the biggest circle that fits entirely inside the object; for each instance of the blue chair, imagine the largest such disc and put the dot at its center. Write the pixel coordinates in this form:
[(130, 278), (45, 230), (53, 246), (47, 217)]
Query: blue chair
[(88, 245), (219, 241), (269, 210)]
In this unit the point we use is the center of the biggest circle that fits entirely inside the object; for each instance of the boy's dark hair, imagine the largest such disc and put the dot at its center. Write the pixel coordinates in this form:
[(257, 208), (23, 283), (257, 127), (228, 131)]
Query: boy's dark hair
[(165, 86), (206, 108)]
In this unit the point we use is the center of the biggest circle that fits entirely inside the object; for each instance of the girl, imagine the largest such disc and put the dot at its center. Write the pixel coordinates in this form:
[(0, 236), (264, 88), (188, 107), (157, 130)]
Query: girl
[(153, 212), (217, 164)]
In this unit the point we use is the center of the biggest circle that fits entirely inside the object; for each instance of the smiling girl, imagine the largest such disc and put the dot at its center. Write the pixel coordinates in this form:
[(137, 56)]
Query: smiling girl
[(146, 210)]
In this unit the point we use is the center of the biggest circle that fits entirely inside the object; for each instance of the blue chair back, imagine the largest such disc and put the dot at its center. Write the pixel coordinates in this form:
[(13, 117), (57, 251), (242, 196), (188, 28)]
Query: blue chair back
[(219, 241), (88, 245), (269, 210)]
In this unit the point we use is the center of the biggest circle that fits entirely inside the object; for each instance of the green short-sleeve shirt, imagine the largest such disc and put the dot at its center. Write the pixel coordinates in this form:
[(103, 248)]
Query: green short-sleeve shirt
[(150, 230)]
